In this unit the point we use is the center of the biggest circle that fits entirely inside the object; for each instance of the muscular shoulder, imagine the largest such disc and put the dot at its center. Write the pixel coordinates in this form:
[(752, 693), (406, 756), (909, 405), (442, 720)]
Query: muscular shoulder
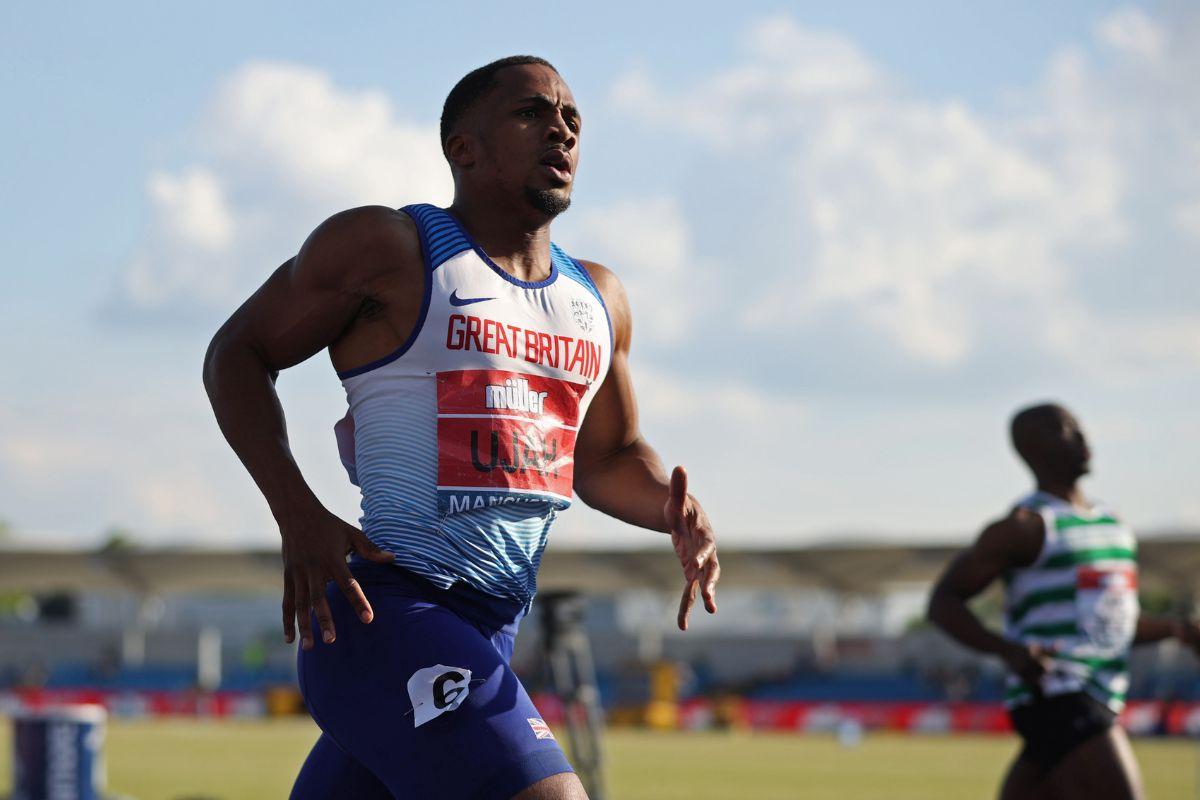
[(356, 246), (615, 300), (1017, 538), (605, 279)]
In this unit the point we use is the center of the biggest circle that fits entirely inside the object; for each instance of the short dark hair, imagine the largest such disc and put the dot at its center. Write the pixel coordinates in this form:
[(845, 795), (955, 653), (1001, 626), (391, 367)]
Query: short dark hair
[(1028, 421), (474, 85)]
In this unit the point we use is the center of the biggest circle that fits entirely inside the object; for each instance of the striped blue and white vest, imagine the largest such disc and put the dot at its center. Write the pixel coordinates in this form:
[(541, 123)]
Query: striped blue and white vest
[(462, 440)]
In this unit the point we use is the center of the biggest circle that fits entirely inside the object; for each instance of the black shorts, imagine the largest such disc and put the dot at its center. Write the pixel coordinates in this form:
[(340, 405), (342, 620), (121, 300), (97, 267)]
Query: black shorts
[(1054, 726)]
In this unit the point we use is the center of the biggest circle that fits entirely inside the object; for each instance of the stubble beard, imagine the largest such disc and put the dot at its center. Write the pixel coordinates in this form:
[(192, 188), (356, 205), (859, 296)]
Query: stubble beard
[(548, 201)]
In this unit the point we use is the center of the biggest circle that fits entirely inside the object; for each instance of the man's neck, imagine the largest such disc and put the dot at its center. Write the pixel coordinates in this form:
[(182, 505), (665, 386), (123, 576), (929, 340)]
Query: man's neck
[(513, 235), (1064, 490)]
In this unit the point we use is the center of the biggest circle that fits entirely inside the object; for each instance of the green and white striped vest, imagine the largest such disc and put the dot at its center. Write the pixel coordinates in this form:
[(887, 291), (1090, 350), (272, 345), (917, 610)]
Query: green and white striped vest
[(1079, 597)]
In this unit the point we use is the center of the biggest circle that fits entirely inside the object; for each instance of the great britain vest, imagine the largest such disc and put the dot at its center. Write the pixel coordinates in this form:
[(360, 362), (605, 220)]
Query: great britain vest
[(462, 441)]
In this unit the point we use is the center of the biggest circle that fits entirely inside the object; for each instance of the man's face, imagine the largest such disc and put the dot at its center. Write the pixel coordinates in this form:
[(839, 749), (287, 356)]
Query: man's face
[(1064, 445), (527, 132)]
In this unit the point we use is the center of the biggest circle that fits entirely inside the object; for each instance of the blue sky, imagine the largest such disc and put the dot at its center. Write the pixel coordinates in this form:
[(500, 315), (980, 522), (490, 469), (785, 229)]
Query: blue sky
[(855, 236)]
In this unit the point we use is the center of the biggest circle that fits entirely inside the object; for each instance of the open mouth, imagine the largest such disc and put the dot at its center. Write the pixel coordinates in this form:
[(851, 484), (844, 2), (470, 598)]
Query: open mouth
[(558, 163)]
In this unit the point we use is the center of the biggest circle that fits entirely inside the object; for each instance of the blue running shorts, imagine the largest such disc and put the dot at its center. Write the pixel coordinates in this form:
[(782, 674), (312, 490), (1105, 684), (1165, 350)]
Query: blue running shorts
[(421, 703)]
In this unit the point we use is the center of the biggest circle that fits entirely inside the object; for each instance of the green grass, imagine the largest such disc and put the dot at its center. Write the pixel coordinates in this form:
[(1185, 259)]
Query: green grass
[(170, 760)]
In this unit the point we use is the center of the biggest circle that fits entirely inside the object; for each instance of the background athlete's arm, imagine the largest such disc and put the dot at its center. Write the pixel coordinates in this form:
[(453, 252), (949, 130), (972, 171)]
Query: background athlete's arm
[(1155, 629), (1009, 543), (619, 473), (302, 308)]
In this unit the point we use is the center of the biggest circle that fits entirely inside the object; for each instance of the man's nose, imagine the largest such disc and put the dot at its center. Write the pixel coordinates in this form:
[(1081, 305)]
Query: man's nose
[(559, 131)]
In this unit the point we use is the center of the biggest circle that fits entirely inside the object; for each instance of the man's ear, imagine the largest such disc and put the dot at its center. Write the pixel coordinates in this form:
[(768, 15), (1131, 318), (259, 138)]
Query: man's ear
[(461, 150)]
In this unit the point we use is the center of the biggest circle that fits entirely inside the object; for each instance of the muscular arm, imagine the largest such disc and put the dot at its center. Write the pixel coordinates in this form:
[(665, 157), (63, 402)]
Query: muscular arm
[(619, 473), (302, 308), (616, 470), (1009, 543), (1156, 629), (266, 335)]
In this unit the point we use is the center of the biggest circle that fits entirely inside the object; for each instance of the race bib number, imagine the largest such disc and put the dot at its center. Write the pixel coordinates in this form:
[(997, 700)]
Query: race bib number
[(1108, 606), (504, 437)]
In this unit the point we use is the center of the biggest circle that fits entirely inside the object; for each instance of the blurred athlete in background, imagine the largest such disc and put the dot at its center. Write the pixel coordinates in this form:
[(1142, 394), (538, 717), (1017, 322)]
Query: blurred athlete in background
[(1071, 614)]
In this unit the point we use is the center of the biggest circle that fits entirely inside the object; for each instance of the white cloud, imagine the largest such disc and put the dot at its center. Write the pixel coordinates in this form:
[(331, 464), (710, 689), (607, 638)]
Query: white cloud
[(193, 208), (790, 70), (291, 127), (1131, 31), (282, 148), (946, 232), (813, 63), (187, 253), (972, 258)]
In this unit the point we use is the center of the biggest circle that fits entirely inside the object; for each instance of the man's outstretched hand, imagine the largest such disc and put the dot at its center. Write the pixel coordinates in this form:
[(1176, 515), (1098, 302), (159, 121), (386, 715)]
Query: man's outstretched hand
[(692, 536), (314, 553)]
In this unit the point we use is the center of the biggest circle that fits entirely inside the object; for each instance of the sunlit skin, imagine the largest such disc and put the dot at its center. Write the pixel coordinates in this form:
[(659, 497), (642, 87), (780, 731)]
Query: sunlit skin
[(1051, 442), (523, 138), (356, 289)]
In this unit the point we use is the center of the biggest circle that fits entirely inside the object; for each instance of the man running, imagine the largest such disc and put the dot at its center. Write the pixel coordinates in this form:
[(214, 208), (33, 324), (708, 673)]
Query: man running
[(1071, 614), (486, 375)]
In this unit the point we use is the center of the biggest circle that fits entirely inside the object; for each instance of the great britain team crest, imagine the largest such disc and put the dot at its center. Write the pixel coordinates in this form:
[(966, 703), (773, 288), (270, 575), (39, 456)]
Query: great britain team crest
[(581, 311)]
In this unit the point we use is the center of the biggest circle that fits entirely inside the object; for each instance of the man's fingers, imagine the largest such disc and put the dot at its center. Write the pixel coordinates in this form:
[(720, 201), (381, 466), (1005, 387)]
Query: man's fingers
[(289, 608), (712, 574), (303, 614), (685, 604), (704, 554), (678, 489), (354, 595), (696, 565), (368, 549), (324, 615)]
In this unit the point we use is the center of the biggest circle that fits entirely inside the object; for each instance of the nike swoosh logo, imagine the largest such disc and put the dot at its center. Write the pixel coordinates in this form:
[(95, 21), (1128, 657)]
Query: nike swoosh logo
[(455, 300)]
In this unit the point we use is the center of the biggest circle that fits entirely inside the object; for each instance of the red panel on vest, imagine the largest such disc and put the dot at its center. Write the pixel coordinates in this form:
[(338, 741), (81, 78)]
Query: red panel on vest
[(1113, 578), (504, 436)]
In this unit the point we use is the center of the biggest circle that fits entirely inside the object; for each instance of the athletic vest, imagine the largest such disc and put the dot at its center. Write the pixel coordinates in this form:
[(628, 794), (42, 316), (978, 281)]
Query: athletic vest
[(1080, 597), (462, 440)]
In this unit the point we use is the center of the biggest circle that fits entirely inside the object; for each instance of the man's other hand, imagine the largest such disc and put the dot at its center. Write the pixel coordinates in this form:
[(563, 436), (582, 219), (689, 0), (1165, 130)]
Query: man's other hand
[(1030, 662), (315, 547), (692, 537)]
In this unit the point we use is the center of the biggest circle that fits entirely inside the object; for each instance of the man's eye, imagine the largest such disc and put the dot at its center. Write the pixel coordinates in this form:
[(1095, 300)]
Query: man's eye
[(528, 113)]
